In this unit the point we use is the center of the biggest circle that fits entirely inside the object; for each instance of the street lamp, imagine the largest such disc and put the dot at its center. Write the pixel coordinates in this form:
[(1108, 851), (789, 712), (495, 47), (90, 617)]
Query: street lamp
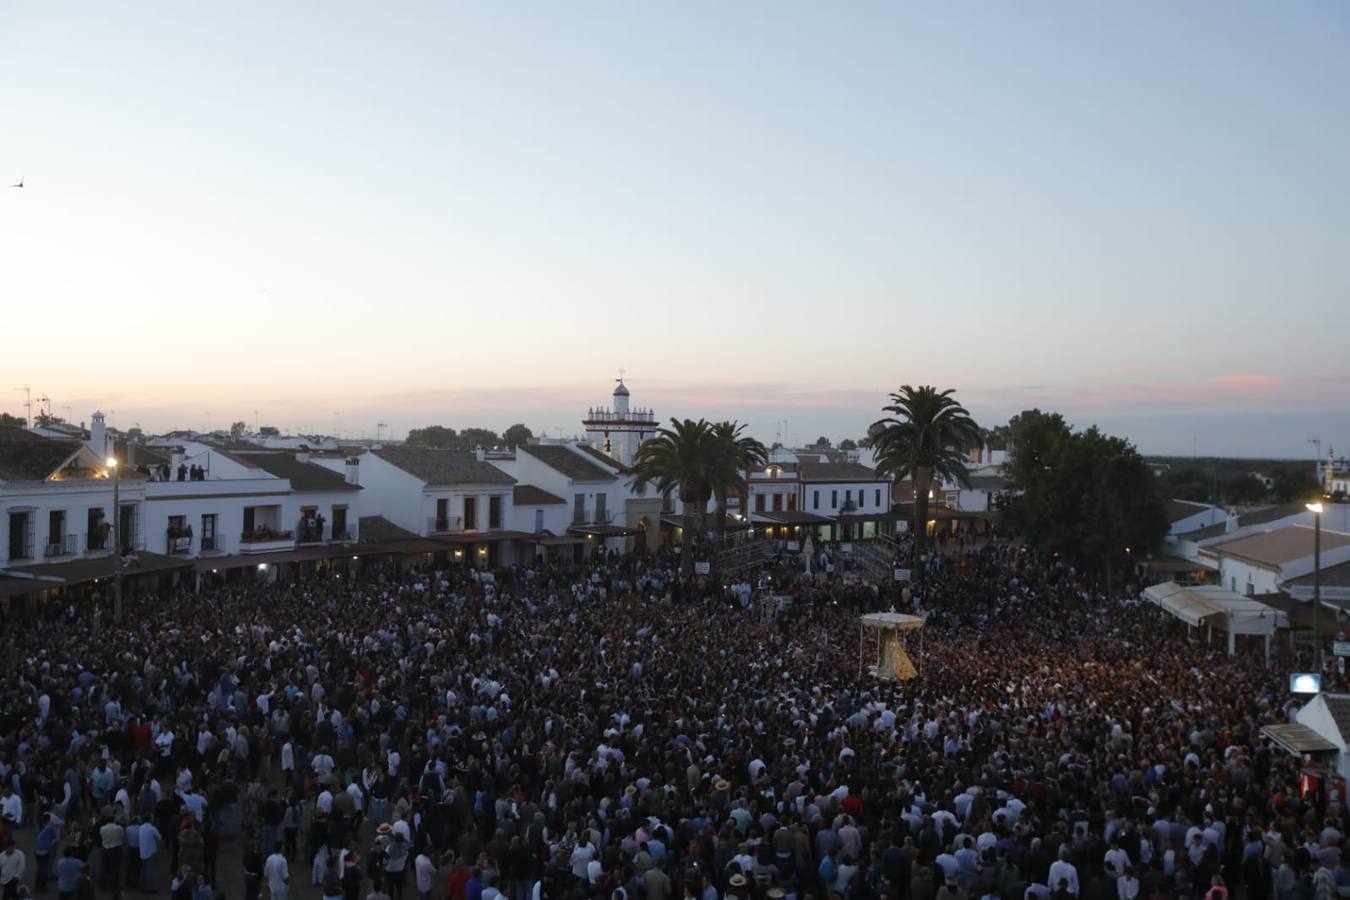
[(1316, 510), (117, 539)]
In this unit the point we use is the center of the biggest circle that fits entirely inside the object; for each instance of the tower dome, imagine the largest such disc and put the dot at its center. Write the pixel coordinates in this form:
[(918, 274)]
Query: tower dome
[(621, 391)]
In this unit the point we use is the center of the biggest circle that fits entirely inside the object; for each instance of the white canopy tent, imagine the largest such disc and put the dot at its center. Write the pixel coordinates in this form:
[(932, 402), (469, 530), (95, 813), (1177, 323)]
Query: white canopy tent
[(1213, 607)]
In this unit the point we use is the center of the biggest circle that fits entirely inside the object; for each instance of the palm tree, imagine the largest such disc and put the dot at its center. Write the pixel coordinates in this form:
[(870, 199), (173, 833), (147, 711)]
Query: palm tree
[(742, 454), (685, 459), (928, 433)]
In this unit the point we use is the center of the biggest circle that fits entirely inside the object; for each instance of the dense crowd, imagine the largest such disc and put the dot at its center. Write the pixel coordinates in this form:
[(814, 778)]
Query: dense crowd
[(603, 733)]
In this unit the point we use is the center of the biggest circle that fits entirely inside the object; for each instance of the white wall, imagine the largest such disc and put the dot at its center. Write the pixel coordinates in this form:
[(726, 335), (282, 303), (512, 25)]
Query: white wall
[(832, 496), (75, 498)]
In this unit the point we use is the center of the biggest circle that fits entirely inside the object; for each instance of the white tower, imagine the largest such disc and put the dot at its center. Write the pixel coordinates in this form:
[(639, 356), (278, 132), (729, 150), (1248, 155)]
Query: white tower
[(619, 430)]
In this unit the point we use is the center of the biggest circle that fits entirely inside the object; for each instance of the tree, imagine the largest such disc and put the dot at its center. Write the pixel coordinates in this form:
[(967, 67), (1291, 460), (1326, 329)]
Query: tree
[(742, 454), (437, 436), (1087, 496), (822, 442), (7, 419), (42, 420), (1242, 488), (134, 433), (238, 430), (848, 444), (517, 436), (927, 434), (1295, 481), (473, 438), (996, 438), (686, 459)]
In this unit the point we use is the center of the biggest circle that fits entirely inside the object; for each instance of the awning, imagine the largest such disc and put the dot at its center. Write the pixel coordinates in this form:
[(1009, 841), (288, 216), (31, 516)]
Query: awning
[(730, 523), (12, 587), (791, 517), (299, 554), (485, 537), (1216, 607), (1298, 739), (602, 531), (78, 571), (412, 545), (1178, 601)]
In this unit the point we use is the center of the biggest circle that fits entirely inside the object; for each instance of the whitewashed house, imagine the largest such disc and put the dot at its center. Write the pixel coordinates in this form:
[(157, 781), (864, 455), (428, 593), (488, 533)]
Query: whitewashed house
[(450, 495)]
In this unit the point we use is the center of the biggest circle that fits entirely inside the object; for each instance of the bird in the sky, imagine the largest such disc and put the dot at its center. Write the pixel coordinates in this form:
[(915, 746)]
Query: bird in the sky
[(20, 184)]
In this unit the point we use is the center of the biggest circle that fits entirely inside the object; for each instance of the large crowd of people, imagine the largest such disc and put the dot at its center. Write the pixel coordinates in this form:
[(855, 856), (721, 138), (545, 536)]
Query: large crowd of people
[(604, 733)]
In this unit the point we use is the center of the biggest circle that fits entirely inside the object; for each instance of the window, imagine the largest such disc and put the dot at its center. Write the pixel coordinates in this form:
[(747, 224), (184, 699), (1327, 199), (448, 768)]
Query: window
[(442, 522), (209, 532), (815, 499), (834, 499), (878, 498), (538, 520), (494, 512), (21, 535), (759, 503), (777, 502), (470, 513), (340, 523), (579, 509), (792, 501), (600, 508)]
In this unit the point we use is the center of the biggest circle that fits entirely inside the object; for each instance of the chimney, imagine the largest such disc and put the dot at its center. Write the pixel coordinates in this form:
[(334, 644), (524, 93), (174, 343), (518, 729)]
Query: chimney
[(98, 436), (302, 454), (353, 466), (1231, 524), (480, 454)]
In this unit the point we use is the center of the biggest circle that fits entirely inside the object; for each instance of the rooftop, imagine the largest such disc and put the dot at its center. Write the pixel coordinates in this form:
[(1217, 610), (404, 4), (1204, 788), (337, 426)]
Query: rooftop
[(303, 476), (1184, 509), (1255, 517), (831, 471), (571, 464), (1273, 548), (443, 466), (25, 456), (529, 495)]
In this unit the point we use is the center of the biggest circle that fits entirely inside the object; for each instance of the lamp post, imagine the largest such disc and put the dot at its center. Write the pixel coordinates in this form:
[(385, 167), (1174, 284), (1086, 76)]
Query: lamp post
[(1316, 510), (117, 539)]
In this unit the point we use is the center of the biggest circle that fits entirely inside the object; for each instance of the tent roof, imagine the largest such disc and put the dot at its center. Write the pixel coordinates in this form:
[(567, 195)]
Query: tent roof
[(1298, 739), (1207, 605)]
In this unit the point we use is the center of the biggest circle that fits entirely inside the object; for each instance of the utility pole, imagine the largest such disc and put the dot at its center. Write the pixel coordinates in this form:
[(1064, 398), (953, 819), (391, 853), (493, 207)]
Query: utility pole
[(27, 405)]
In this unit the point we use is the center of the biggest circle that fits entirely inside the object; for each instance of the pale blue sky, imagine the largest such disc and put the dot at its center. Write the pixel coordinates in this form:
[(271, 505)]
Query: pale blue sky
[(1139, 213)]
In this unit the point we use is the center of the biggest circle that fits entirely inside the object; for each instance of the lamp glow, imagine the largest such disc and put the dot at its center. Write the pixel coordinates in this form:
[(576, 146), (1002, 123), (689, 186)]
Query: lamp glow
[(1315, 507)]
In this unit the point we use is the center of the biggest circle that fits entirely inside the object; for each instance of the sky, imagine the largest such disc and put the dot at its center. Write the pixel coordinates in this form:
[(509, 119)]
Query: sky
[(476, 214)]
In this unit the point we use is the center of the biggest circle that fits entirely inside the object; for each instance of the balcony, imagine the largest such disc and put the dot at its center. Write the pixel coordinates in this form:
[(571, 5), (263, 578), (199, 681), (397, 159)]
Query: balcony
[(265, 540), (62, 545), (212, 543), (178, 540), (321, 534), (98, 540), (445, 524)]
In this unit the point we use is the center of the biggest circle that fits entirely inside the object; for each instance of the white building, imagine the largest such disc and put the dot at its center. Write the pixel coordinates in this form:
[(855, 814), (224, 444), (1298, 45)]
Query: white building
[(1261, 563), (600, 505), (447, 494)]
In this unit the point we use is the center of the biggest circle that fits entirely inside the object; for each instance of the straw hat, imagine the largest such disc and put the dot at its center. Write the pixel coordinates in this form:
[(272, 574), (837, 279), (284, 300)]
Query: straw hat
[(737, 880), (721, 784)]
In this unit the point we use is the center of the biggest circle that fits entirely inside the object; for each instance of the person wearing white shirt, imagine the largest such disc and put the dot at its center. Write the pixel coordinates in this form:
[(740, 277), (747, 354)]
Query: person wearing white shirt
[(1116, 860), (425, 872), (582, 854), (1063, 870), (11, 807), (1127, 886), (277, 874)]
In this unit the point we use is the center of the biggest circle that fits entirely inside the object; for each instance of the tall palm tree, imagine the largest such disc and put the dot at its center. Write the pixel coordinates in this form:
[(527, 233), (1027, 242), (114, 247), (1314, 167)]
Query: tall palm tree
[(928, 433), (742, 454), (686, 459)]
